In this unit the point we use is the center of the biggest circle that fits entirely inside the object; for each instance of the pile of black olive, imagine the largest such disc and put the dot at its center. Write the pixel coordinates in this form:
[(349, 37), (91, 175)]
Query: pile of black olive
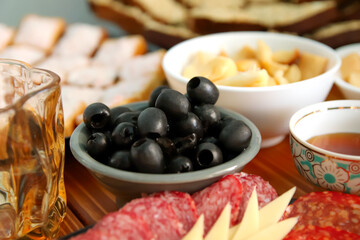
[(175, 133)]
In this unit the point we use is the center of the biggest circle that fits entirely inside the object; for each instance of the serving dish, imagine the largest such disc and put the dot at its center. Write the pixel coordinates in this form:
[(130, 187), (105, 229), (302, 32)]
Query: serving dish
[(348, 90), (327, 169), (128, 185), (270, 108)]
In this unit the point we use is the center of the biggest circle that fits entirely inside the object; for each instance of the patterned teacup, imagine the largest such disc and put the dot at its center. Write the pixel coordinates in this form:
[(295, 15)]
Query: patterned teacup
[(327, 169)]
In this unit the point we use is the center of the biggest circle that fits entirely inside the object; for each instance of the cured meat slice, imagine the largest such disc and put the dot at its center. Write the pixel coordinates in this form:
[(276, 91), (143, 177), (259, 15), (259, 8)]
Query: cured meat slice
[(119, 225), (265, 192), (211, 200), (160, 216), (335, 209), (183, 205), (320, 233)]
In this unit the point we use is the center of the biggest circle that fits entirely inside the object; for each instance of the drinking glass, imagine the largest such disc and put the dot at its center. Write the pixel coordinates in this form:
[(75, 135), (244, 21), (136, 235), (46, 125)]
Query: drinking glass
[(32, 193)]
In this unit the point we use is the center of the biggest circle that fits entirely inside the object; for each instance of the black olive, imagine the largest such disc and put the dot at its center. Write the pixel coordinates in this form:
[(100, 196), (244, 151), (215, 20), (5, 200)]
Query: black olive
[(208, 155), (217, 127), (123, 135), (202, 91), (186, 143), (235, 136), (98, 146), (152, 123), (190, 124), (211, 139), (174, 104), (208, 114), (147, 157), (167, 146), (130, 117), (96, 116), (120, 160), (179, 164), (155, 93), (115, 112)]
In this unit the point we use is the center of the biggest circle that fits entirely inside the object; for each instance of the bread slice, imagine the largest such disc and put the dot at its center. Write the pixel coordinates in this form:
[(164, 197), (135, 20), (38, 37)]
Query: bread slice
[(213, 3), (281, 16), (138, 77), (95, 75), (7, 34), (39, 31), (130, 18), (80, 39), (134, 20), (213, 20), (25, 53), (116, 51), (165, 11), (339, 33), (297, 18), (63, 65), (75, 99)]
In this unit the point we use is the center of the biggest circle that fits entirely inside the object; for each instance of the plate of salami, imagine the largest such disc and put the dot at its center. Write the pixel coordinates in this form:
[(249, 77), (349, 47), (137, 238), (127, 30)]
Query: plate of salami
[(226, 208)]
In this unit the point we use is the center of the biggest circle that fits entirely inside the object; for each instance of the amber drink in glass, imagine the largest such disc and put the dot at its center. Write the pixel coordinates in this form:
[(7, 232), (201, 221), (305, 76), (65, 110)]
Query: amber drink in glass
[(32, 193)]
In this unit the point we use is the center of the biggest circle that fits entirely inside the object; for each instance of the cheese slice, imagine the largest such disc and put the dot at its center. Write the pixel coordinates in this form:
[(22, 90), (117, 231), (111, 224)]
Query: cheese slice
[(255, 225), (220, 229), (197, 231), (272, 212), (250, 223), (276, 231)]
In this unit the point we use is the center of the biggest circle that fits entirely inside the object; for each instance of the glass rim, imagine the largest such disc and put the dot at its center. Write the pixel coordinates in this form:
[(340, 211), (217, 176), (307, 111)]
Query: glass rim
[(55, 81)]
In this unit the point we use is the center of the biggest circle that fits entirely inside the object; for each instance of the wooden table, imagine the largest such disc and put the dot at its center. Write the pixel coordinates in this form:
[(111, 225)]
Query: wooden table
[(88, 201)]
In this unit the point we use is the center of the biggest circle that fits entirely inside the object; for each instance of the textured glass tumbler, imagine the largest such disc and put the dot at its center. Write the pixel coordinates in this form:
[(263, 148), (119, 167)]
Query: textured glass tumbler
[(32, 193)]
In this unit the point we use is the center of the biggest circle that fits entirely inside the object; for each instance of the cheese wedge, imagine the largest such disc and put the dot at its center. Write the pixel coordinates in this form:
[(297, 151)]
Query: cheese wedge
[(197, 231), (220, 229), (251, 216), (256, 224), (272, 212), (276, 231)]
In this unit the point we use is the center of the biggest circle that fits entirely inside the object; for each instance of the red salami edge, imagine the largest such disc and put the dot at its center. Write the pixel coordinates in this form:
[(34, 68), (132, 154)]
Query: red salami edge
[(311, 232), (211, 200), (183, 205), (162, 220), (265, 192), (117, 225), (334, 209)]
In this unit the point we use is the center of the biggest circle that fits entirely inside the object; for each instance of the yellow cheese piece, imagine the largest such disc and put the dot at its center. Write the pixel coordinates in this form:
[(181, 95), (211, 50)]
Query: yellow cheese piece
[(276, 231), (272, 212), (219, 68), (258, 78), (197, 231), (250, 223), (220, 229)]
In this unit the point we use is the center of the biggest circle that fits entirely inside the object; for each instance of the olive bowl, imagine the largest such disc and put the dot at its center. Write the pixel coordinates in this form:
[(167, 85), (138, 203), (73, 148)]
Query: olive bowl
[(128, 185)]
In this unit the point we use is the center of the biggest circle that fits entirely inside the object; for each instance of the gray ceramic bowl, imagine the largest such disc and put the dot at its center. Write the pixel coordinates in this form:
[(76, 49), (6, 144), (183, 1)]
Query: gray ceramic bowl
[(128, 185)]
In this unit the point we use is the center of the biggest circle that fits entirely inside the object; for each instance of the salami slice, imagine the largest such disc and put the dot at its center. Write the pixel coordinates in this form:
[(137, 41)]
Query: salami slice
[(335, 209), (211, 200), (119, 225), (159, 215), (265, 192), (320, 233), (183, 205)]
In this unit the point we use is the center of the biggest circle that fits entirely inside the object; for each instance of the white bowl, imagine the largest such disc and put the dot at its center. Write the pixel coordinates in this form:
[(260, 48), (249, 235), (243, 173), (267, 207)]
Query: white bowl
[(349, 91), (327, 169), (270, 108)]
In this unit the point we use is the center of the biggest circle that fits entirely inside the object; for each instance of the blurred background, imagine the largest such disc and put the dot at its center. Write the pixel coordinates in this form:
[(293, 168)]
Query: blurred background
[(11, 12)]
